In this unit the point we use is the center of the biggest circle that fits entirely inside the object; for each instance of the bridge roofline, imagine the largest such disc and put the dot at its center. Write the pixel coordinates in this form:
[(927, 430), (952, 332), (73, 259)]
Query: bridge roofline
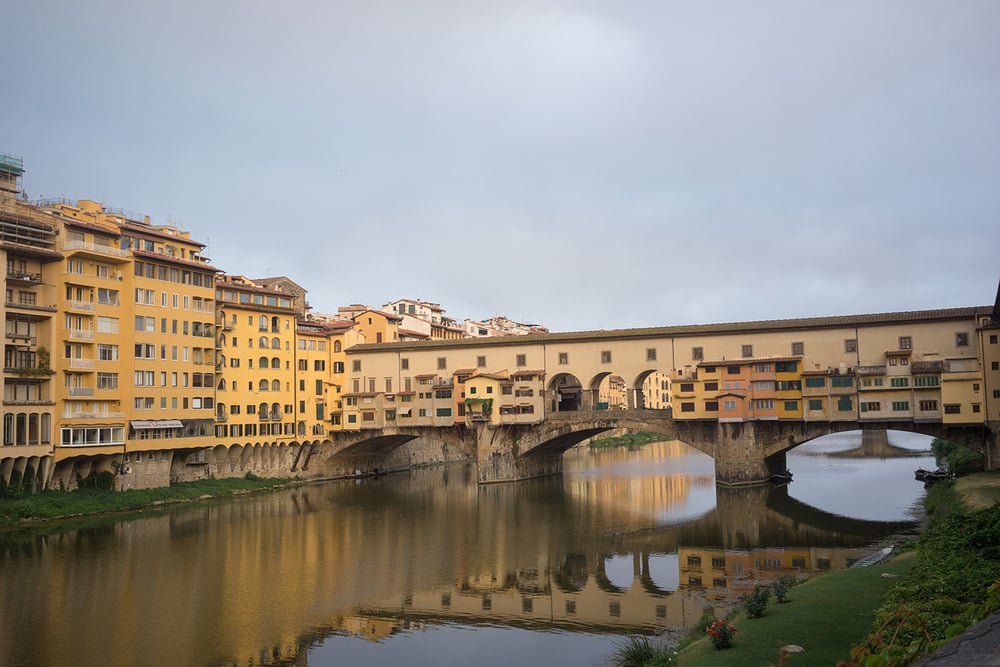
[(797, 324)]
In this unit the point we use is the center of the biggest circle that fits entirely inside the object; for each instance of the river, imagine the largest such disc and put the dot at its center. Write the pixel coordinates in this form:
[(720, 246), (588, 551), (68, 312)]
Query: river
[(427, 568)]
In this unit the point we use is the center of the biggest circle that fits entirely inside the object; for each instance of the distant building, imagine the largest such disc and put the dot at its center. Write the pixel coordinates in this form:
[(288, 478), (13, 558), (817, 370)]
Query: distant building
[(498, 325)]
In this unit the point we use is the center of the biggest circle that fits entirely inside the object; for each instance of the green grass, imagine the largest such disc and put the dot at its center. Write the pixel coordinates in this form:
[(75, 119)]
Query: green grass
[(60, 504), (629, 440), (826, 615)]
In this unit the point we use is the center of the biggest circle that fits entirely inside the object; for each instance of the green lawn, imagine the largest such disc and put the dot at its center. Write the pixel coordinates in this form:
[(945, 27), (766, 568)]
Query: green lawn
[(826, 615)]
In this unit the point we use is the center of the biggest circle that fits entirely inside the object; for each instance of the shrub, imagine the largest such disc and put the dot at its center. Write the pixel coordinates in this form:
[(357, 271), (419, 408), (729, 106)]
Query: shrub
[(639, 652), (755, 603), (781, 587), (721, 632)]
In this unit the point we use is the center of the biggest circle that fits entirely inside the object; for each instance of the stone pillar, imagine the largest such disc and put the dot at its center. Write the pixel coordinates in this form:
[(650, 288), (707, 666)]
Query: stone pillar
[(499, 457), (874, 442), (739, 455)]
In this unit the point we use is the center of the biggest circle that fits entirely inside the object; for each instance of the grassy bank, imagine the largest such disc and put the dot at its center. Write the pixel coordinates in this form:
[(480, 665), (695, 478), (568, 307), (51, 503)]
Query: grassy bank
[(61, 504), (858, 617)]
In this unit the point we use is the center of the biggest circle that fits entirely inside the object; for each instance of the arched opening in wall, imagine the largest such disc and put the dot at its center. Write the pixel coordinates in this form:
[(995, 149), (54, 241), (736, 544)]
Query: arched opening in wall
[(566, 393)]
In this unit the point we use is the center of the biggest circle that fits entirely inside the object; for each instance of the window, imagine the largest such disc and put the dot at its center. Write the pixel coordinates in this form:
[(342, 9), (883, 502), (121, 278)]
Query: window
[(928, 406), (764, 404), (815, 404), (842, 381), (522, 360), (791, 406), (356, 366), (729, 405), (900, 406), (443, 412), (851, 345), (147, 324), (605, 356), (786, 366), (697, 353), (871, 406), (651, 354), (709, 386), (563, 358), (747, 350), (814, 383), (481, 362), (404, 363), (798, 348), (687, 407), (712, 406), (845, 404), (689, 386), (442, 363), (962, 339), (905, 343), (733, 370), (926, 381), (899, 382), (952, 409), (993, 339)]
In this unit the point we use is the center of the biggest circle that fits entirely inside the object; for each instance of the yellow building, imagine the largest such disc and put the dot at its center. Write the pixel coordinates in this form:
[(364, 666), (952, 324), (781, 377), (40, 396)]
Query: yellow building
[(257, 388), (32, 267), (136, 380)]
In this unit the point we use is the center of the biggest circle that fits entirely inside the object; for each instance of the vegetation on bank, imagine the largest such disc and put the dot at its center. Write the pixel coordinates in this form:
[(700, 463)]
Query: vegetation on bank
[(858, 617), (629, 440), (96, 499)]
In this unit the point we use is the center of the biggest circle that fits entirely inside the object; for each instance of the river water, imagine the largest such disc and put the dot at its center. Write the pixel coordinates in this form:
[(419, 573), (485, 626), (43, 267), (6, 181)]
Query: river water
[(428, 568)]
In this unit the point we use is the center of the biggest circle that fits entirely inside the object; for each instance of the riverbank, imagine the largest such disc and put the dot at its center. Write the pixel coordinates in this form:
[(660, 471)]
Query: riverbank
[(55, 505), (926, 595)]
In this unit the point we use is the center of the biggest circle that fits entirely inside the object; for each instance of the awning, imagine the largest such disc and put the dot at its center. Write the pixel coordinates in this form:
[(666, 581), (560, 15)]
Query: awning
[(157, 423), (403, 412)]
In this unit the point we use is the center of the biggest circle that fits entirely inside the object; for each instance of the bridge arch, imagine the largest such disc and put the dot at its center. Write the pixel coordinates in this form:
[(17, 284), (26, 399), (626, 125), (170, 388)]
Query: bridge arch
[(566, 392)]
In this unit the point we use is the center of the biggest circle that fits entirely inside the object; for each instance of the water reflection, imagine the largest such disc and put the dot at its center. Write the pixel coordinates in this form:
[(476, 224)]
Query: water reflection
[(422, 568)]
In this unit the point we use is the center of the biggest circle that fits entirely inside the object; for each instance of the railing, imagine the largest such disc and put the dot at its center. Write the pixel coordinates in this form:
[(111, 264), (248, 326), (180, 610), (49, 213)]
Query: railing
[(82, 334), (869, 370), (81, 305), (81, 363), (12, 162), (125, 213), (81, 391), (38, 402), (93, 415), (28, 338), (95, 247), (24, 276)]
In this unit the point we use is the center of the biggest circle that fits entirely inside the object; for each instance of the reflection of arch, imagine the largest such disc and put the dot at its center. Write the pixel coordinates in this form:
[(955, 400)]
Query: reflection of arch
[(566, 392), (601, 577), (646, 577), (572, 575)]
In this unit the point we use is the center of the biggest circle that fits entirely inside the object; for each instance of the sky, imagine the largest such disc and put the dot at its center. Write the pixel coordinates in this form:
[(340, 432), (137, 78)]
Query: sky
[(581, 165)]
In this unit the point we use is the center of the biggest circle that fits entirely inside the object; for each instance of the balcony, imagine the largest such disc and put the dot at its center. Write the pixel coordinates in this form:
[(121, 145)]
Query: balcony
[(81, 334), (24, 277), (81, 391), (35, 402), (87, 364), (28, 338), (87, 306), (869, 370), (94, 248), (93, 415)]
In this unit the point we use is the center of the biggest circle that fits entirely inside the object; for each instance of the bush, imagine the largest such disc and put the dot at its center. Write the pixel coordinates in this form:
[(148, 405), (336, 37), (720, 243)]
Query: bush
[(721, 632), (755, 603), (781, 587), (638, 652), (958, 459)]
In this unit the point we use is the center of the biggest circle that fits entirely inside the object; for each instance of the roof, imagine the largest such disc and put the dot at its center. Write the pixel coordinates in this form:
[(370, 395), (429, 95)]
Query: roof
[(693, 330)]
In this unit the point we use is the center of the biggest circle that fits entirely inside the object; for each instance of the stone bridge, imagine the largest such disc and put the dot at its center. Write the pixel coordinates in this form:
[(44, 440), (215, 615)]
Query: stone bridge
[(744, 452)]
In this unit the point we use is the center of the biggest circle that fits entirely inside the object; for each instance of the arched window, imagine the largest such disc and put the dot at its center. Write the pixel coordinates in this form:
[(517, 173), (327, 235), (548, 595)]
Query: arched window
[(222, 384), (262, 411), (275, 412), (46, 428), (264, 385), (21, 436), (275, 385), (275, 344), (275, 325), (275, 362), (302, 428), (222, 339), (33, 428), (263, 342), (220, 411), (262, 323), (336, 346), (262, 362)]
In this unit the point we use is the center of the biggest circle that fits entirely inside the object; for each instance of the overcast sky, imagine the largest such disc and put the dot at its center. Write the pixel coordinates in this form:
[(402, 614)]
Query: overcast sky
[(584, 165)]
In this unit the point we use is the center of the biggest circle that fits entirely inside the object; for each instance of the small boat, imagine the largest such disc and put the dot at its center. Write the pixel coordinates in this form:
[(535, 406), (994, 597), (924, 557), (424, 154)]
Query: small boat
[(783, 477), (929, 476)]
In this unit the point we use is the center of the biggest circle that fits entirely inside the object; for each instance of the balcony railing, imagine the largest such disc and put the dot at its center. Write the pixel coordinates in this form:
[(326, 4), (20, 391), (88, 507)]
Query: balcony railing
[(82, 334), (93, 415), (869, 370), (95, 247), (81, 391), (81, 363), (81, 305), (27, 338), (24, 276)]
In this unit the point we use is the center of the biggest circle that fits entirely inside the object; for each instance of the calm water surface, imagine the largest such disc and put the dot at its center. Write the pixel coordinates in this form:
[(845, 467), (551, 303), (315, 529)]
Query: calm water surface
[(430, 569)]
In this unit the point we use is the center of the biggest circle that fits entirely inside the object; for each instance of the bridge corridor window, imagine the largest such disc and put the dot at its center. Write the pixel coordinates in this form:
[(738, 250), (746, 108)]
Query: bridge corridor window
[(697, 353), (850, 345), (481, 362), (962, 339), (651, 354), (563, 358), (605, 356), (522, 360), (905, 343), (442, 363), (747, 350), (798, 348)]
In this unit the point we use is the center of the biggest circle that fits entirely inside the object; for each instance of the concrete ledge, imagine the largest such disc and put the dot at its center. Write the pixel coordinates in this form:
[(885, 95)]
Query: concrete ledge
[(979, 646)]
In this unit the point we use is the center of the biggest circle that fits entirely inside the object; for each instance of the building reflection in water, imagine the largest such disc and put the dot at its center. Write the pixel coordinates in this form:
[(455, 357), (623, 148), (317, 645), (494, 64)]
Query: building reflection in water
[(643, 543)]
